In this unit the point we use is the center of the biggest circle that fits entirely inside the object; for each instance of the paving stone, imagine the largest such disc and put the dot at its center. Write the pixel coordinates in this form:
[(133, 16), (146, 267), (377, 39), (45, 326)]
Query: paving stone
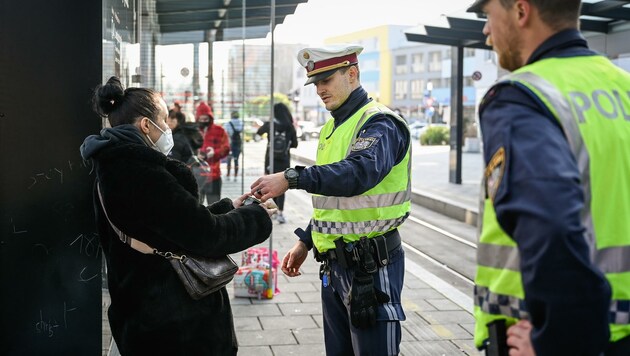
[(301, 308), (309, 336), (423, 332), (413, 282), (447, 317), (240, 301), (450, 331), (310, 297), (406, 335), (254, 351), (319, 320), (301, 350), (421, 293), (415, 305), (248, 323), (255, 310), (468, 346), (429, 348), (443, 304), (266, 337), (470, 327), (296, 322), (282, 297), (299, 287)]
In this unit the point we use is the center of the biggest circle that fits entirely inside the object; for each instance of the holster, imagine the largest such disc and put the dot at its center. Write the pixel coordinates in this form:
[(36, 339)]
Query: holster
[(497, 340), (352, 254)]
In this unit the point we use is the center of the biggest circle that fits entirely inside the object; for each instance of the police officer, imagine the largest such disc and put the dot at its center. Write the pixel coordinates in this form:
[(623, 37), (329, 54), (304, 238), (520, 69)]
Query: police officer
[(361, 195), (555, 223)]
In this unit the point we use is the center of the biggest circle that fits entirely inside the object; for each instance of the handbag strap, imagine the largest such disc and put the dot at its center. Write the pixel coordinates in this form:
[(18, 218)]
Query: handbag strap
[(192, 152), (128, 240)]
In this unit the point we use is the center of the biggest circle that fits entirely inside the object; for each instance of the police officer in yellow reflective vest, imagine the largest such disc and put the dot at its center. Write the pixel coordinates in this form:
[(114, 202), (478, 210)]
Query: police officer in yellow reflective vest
[(361, 195), (555, 231)]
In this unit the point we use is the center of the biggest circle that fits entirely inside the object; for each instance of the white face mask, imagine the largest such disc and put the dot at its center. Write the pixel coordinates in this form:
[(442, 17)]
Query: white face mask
[(165, 143)]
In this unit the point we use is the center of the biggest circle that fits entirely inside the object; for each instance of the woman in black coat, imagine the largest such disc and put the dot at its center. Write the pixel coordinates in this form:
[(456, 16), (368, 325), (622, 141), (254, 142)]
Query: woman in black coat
[(187, 138), (285, 138), (154, 199)]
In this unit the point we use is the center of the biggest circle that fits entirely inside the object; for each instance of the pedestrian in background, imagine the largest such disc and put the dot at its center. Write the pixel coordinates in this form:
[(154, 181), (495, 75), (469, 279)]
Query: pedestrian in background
[(154, 200), (284, 139), (234, 129), (186, 137), (361, 190), (556, 136), (215, 147)]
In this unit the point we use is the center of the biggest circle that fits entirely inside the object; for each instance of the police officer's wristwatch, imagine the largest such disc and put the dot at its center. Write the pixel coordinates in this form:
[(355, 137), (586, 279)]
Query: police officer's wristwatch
[(292, 175)]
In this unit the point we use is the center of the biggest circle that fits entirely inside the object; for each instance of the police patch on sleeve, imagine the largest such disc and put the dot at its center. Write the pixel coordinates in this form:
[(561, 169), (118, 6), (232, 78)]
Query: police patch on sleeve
[(363, 143), (494, 173)]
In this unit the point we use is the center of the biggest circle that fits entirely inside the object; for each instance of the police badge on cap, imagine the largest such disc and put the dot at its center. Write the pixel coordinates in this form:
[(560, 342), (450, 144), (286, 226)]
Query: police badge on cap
[(322, 62)]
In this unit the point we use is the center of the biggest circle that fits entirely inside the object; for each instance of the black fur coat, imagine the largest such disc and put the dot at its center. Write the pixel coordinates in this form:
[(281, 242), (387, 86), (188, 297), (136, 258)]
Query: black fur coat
[(154, 199)]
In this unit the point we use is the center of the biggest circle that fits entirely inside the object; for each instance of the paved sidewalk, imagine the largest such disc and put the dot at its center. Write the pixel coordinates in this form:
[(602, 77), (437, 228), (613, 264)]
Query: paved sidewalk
[(438, 319), (291, 322)]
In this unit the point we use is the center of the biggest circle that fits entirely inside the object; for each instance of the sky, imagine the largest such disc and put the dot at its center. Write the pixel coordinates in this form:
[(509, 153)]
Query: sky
[(313, 22), (316, 20)]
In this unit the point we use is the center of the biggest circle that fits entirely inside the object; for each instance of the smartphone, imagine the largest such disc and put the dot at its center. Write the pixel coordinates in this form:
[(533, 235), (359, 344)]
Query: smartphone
[(251, 200)]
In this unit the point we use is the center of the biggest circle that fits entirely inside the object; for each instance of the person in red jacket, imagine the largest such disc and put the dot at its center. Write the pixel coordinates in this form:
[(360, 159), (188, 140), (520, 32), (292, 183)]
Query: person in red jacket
[(216, 146)]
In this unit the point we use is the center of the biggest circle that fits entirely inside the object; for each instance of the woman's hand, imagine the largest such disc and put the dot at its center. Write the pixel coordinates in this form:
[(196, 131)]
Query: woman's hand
[(269, 206), (238, 202)]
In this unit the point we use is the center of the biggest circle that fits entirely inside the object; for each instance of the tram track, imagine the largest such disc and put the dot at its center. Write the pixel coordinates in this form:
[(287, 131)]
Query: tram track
[(443, 253)]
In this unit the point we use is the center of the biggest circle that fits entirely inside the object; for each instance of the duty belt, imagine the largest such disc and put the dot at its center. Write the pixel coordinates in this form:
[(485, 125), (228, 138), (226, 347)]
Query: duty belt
[(345, 253)]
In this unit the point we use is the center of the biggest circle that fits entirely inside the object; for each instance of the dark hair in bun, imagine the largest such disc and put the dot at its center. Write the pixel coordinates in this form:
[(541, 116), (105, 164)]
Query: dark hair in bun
[(125, 106)]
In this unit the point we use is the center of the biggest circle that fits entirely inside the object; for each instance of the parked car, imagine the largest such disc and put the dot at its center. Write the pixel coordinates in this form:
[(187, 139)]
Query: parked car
[(416, 128), (308, 130)]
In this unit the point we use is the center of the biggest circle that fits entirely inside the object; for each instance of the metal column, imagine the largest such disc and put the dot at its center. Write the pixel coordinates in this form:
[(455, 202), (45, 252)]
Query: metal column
[(457, 115)]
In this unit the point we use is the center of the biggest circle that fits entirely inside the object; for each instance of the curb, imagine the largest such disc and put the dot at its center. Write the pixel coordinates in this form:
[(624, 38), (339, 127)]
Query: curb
[(445, 206), (441, 205)]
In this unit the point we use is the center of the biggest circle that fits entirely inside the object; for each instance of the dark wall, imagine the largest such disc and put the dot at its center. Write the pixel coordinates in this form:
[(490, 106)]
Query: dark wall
[(50, 258)]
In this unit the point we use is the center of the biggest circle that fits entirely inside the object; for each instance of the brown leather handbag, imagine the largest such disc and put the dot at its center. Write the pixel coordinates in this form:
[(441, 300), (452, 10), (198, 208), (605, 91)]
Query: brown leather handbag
[(199, 275)]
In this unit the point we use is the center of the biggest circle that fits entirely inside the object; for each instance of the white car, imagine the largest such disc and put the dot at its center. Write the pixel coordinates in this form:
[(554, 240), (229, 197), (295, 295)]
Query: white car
[(309, 130), (416, 129)]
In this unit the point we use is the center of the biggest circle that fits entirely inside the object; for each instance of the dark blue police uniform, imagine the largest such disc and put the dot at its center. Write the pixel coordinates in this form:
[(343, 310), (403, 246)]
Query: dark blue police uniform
[(538, 203), (356, 174)]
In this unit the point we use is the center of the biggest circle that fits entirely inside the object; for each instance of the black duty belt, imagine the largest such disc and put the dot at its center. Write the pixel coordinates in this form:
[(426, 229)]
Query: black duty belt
[(345, 253)]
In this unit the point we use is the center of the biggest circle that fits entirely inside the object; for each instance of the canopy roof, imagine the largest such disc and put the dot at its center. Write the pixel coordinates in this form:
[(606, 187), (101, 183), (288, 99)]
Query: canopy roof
[(600, 16), (203, 15)]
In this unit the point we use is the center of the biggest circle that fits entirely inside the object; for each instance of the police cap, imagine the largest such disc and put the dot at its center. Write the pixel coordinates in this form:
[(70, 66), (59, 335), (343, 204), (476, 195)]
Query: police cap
[(477, 6), (322, 62)]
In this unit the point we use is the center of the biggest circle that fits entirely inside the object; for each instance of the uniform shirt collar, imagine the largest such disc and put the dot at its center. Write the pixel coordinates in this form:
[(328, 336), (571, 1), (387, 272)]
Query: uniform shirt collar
[(560, 42), (355, 101)]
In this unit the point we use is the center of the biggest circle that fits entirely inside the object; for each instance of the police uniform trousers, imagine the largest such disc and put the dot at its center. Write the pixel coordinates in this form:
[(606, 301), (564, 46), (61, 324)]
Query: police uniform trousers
[(341, 337)]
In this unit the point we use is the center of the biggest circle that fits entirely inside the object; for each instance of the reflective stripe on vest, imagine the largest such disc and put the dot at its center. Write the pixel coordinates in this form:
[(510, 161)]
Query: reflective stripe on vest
[(498, 286), (380, 209), (500, 304), (578, 113)]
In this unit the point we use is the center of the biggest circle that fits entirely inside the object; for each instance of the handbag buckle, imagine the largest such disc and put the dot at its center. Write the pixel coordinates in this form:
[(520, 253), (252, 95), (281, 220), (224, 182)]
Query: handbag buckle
[(169, 255)]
